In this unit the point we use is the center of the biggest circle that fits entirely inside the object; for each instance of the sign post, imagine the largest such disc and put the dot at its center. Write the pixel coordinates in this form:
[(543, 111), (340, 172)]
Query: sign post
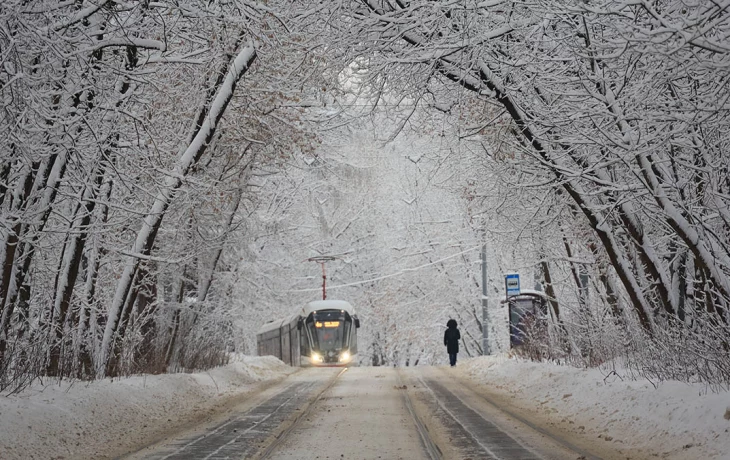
[(485, 313), (512, 284)]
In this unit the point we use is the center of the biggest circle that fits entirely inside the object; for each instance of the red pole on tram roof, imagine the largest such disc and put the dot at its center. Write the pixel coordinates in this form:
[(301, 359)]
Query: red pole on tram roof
[(324, 283), (321, 260)]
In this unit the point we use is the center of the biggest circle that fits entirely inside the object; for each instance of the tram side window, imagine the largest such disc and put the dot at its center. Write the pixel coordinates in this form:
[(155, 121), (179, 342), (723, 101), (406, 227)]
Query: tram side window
[(304, 343), (269, 340), (353, 342), (311, 331), (275, 343), (346, 335)]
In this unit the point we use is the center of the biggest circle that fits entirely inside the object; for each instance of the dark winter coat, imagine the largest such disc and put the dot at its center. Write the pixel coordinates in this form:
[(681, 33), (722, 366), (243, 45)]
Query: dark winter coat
[(452, 337)]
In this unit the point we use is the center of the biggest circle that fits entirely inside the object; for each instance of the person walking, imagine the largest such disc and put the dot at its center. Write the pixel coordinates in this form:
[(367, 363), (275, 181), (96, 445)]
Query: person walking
[(451, 340)]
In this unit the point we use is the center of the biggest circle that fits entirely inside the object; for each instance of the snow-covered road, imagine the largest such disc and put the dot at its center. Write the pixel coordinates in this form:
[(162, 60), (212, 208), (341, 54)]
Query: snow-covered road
[(361, 416), (371, 413), (257, 407)]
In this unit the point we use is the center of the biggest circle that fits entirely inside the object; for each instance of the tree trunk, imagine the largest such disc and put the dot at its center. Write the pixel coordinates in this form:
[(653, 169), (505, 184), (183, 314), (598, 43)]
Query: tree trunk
[(550, 291), (18, 253), (202, 134), (84, 349), (4, 176), (71, 258)]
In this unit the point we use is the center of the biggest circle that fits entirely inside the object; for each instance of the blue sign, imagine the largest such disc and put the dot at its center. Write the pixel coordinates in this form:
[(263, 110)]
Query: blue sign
[(512, 282)]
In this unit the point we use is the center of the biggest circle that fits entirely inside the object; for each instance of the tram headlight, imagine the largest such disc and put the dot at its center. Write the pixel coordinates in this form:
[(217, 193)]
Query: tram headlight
[(317, 358), (345, 356)]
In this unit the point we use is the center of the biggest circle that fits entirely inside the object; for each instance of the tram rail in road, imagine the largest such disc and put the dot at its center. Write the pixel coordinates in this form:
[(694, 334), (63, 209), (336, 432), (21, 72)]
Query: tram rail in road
[(244, 435), (431, 448), (473, 434), (241, 436), (432, 422), (370, 413), (478, 427), (266, 453)]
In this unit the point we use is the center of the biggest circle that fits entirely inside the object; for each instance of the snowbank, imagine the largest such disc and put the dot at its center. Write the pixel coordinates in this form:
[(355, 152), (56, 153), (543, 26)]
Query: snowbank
[(674, 420), (104, 419)]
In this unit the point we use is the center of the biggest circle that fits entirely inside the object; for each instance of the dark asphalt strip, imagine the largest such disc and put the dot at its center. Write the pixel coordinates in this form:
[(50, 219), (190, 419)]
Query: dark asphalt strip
[(580, 452), (429, 446), (243, 435), (473, 434)]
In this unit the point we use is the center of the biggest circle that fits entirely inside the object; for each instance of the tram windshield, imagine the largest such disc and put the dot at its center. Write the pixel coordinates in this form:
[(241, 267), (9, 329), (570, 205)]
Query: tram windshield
[(329, 330)]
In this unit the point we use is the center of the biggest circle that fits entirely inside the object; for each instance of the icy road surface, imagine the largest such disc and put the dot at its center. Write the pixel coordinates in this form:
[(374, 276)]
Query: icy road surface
[(372, 413), (362, 416)]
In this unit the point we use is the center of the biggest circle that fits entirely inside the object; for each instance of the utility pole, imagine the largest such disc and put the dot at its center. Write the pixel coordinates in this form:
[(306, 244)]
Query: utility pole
[(485, 314)]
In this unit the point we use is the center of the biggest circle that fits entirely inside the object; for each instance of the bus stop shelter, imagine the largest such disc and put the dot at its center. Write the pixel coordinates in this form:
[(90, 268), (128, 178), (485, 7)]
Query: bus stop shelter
[(527, 316)]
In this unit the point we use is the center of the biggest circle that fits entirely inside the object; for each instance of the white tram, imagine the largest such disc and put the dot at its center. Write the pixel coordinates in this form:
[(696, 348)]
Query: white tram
[(322, 333)]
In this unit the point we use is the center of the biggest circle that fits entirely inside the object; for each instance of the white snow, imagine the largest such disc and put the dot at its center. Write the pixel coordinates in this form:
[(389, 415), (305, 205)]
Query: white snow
[(673, 421), (104, 419)]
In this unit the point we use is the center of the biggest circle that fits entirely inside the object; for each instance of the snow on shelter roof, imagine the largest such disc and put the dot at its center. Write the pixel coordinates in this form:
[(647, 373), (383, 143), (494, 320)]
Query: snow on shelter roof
[(527, 292)]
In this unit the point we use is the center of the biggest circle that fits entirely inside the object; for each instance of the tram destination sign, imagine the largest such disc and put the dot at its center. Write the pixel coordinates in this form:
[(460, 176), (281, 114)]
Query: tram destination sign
[(512, 283)]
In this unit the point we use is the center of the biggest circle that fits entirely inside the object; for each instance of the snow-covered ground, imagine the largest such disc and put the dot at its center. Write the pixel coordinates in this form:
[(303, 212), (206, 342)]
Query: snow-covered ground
[(362, 417), (104, 419), (673, 421)]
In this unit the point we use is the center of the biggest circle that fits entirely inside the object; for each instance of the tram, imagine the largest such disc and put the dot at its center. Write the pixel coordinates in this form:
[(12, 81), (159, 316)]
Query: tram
[(322, 333)]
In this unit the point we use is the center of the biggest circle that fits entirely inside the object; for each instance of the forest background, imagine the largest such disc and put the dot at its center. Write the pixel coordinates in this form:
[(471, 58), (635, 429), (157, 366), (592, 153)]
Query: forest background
[(167, 168)]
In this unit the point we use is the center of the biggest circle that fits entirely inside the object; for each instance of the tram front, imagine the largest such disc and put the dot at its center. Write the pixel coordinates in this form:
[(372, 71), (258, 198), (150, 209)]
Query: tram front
[(332, 334)]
